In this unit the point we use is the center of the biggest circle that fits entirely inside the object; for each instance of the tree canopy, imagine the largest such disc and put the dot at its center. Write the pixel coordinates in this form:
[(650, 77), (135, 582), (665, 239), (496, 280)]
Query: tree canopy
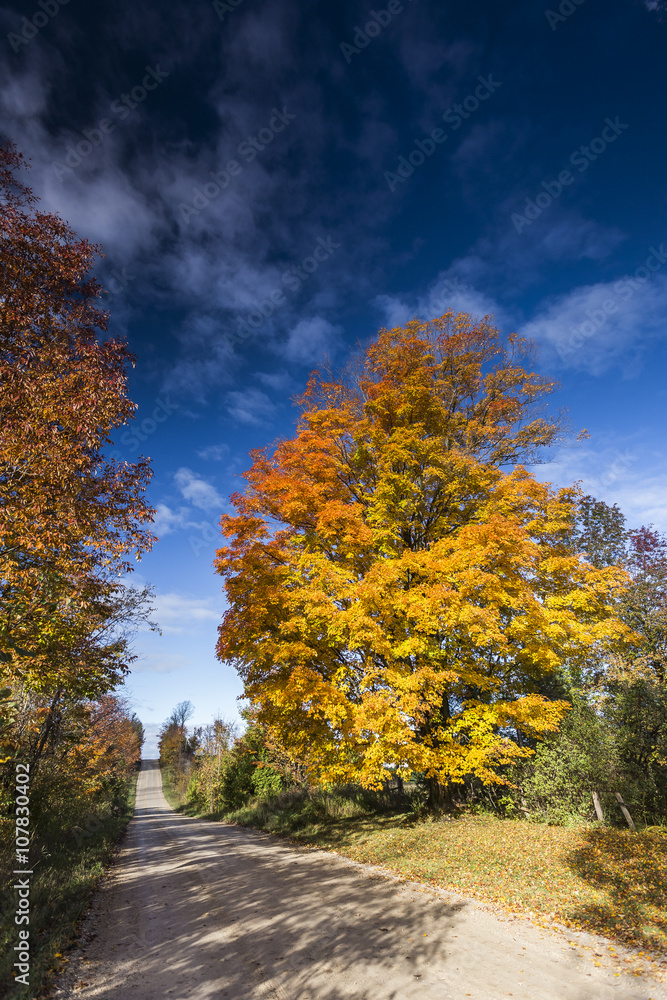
[(399, 585), (70, 518)]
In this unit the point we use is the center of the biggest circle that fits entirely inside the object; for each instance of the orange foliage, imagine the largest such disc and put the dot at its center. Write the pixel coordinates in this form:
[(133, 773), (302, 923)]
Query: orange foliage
[(69, 518), (396, 597)]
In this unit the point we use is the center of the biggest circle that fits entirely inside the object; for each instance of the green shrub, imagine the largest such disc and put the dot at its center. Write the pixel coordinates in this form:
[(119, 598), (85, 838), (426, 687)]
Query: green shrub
[(556, 785)]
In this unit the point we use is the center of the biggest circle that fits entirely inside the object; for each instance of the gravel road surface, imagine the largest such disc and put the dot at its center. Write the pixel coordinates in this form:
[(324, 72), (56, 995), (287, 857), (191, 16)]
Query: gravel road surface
[(203, 910)]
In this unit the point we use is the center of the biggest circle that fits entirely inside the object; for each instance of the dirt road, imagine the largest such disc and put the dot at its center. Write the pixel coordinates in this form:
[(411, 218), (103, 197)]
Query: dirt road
[(202, 910)]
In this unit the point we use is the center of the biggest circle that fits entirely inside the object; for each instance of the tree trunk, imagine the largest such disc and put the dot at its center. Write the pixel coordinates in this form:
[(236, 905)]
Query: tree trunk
[(439, 796), (598, 806), (49, 724)]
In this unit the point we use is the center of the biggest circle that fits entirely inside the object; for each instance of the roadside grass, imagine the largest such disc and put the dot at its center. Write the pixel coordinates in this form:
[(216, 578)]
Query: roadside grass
[(65, 876), (295, 810), (172, 794), (607, 881)]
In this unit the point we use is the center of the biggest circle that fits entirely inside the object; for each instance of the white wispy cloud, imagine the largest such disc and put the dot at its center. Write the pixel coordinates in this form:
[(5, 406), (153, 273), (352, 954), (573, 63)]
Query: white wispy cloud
[(447, 292), (590, 328), (311, 340), (499, 266), (176, 613), (158, 663), (279, 381), (251, 406), (214, 452), (197, 491), (623, 471), (594, 327), (167, 520)]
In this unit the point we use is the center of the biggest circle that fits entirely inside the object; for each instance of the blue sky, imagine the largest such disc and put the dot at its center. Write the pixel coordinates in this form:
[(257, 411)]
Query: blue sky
[(272, 182)]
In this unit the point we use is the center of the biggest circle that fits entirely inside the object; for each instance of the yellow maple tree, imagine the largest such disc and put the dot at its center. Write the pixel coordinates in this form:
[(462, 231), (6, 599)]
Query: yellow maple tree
[(399, 585)]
